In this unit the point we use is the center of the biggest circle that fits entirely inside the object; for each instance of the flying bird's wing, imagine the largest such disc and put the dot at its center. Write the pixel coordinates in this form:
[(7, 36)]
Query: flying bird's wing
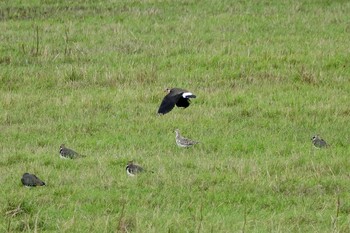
[(176, 96), (168, 103), (184, 98), (183, 102)]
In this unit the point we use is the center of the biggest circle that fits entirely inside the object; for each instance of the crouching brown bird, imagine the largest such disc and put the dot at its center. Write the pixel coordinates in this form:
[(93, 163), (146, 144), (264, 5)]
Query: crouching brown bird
[(31, 180), (318, 142), (66, 153), (176, 96), (132, 169)]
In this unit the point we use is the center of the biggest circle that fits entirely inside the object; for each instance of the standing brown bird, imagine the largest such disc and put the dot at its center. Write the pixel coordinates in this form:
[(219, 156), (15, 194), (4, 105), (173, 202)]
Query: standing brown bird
[(30, 180), (176, 96), (183, 142)]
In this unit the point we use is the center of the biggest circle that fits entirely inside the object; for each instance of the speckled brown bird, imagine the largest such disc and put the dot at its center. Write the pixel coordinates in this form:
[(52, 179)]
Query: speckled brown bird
[(182, 141)]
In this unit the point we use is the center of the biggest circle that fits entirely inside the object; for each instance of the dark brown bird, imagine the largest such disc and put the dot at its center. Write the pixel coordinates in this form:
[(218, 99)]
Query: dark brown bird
[(67, 153), (176, 96), (318, 142), (30, 180), (132, 169)]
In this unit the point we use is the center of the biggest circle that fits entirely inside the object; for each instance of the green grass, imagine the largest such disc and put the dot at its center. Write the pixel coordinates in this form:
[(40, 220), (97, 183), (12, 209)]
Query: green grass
[(91, 74)]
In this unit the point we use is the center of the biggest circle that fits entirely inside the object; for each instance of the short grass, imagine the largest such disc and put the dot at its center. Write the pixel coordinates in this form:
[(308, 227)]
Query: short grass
[(91, 74)]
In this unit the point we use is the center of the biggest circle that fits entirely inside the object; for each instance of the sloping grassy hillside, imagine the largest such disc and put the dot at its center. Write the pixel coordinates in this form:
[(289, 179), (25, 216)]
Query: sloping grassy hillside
[(90, 74)]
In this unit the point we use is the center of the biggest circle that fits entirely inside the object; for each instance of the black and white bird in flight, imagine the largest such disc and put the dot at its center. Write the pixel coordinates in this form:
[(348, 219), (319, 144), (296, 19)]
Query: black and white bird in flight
[(176, 96)]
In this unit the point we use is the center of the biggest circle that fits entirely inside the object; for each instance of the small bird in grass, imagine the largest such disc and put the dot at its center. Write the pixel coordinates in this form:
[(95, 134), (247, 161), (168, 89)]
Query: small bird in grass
[(176, 96), (318, 142), (132, 169), (66, 153), (30, 180), (183, 142)]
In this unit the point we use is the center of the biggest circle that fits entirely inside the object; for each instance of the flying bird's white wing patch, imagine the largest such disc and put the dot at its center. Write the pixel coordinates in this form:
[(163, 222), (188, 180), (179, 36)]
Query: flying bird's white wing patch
[(186, 94)]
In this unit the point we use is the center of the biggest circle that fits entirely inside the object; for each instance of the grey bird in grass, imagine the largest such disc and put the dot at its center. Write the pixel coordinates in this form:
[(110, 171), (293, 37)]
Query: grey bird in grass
[(176, 96), (318, 142), (132, 169), (66, 153), (30, 180), (183, 142)]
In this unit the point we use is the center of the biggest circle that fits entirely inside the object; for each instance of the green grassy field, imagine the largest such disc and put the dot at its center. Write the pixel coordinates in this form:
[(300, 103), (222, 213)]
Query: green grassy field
[(91, 74)]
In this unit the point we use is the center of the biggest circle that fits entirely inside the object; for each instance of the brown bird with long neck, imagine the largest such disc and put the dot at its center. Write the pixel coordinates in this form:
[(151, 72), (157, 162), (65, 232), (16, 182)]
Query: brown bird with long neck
[(182, 141)]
